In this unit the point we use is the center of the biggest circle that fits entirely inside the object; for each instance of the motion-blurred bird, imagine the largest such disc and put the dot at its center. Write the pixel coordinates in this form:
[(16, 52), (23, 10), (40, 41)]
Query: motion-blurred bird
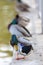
[(22, 6)]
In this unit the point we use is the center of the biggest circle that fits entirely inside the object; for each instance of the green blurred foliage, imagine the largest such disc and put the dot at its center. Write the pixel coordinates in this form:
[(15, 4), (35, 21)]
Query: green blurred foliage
[(7, 13)]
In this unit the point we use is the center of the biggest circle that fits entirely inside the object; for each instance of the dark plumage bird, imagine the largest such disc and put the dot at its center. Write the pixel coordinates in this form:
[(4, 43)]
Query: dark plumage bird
[(22, 6), (27, 49)]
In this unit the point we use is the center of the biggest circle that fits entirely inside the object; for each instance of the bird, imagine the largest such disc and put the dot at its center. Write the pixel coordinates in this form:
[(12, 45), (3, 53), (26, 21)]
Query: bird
[(22, 6), (24, 44)]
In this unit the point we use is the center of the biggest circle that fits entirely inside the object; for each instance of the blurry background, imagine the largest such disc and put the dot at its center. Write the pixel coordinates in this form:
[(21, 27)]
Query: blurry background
[(7, 13)]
